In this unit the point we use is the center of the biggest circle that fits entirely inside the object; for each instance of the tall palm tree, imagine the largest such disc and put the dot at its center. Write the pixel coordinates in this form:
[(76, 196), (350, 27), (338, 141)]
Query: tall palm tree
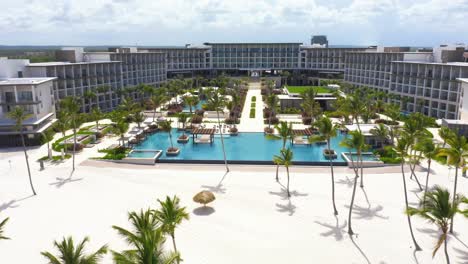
[(381, 132), (285, 158), (2, 225), (120, 128), (456, 155), (328, 131), (139, 118), (69, 254), (355, 141), (182, 119), (430, 152), (19, 115), (48, 136), (89, 96), (402, 149), (167, 127), (156, 101), (146, 239), (71, 108), (191, 101), (392, 111), (171, 214), (62, 124), (285, 132), (272, 102), (218, 102), (438, 209)]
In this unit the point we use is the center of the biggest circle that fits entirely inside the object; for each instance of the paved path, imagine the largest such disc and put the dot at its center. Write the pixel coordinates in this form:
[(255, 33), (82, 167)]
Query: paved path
[(248, 124)]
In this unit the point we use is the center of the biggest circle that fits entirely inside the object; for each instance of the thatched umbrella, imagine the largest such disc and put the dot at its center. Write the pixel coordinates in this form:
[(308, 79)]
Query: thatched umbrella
[(204, 197)]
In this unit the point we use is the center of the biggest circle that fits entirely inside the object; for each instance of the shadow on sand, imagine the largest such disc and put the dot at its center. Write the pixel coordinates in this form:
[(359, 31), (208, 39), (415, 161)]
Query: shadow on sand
[(204, 211), (219, 188), (360, 250), (62, 181), (336, 230), (288, 208), (348, 182), (13, 203)]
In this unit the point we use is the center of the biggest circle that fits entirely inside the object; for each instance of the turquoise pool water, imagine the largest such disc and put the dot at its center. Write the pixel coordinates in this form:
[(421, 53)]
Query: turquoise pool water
[(142, 154), (197, 106), (244, 147)]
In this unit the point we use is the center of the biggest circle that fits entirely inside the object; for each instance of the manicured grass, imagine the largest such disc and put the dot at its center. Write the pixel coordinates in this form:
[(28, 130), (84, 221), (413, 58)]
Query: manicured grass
[(299, 89), (252, 113)]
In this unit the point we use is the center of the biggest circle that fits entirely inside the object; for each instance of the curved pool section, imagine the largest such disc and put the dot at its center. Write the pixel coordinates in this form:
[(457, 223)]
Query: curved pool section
[(245, 148)]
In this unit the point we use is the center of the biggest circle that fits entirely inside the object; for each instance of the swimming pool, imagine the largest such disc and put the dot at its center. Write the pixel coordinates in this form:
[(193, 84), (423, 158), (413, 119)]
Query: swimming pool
[(195, 107), (244, 148)]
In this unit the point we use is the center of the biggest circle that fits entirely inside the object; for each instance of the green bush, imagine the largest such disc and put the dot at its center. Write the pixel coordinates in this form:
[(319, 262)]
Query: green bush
[(254, 98), (252, 113), (117, 153), (252, 104), (290, 110), (388, 155), (55, 158)]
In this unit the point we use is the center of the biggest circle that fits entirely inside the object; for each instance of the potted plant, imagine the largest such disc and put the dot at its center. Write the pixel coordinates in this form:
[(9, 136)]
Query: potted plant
[(329, 154), (182, 118), (234, 131), (268, 130), (171, 151)]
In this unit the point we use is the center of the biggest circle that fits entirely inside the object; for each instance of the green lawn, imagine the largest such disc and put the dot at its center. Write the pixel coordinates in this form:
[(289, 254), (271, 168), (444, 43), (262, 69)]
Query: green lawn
[(299, 89)]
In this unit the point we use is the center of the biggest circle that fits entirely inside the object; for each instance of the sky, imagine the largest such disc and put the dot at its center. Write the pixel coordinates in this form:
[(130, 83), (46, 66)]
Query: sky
[(178, 22)]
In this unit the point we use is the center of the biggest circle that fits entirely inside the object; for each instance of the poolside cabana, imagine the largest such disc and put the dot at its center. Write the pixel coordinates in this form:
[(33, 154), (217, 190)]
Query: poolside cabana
[(301, 136), (206, 135)]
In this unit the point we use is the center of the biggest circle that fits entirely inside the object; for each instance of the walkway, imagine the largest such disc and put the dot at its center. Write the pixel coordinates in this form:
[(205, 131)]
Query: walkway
[(248, 124)]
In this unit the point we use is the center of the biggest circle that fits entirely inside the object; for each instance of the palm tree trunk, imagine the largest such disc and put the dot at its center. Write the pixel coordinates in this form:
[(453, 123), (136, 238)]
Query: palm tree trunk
[(427, 181), (74, 145), (170, 139), (417, 248), (277, 165), (356, 176), (27, 162), (454, 196), (287, 186), (335, 212), (412, 168), (49, 153), (154, 114), (175, 247), (222, 140), (445, 249), (269, 119), (362, 170)]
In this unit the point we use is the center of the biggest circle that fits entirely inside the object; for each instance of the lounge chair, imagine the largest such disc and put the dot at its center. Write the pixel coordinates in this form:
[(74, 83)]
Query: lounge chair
[(300, 141)]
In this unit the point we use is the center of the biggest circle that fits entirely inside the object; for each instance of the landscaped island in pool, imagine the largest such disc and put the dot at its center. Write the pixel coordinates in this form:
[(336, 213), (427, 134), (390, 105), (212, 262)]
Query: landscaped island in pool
[(244, 148)]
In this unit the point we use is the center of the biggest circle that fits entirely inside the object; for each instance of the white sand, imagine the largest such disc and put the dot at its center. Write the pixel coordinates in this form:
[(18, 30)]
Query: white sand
[(252, 222)]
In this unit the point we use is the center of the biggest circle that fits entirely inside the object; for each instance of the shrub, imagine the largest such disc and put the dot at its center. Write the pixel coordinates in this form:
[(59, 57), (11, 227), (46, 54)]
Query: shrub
[(252, 113), (233, 130), (252, 104), (264, 91), (277, 91), (274, 121), (306, 120), (117, 153), (199, 112), (254, 98), (386, 122), (269, 130), (388, 155), (291, 110), (196, 119), (231, 120)]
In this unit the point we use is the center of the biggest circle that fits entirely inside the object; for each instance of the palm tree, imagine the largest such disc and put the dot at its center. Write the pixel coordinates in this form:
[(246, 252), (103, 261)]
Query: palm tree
[(381, 132), (357, 142), (156, 101), (68, 254), (437, 209), (48, 136), (392, 111), (139, 117), (167, 127), (147, 241), (456, 155), (430, 152), (218, 102), (285, 158), (285, 132), (171, 214), (182, 118), (19, 115), (71, 108), (102, 90), (272, 102), (285, 75), (445, 133), (2, 225), (62, 124), (402, 149), (191, 101), (89, 96), (328, 131), (120, 128), (96, 115)]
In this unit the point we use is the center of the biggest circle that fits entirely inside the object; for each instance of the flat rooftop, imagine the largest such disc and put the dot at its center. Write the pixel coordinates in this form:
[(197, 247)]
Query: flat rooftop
[(65, 63), (253, 43), (465, 80), (462, 64), (25, 81)]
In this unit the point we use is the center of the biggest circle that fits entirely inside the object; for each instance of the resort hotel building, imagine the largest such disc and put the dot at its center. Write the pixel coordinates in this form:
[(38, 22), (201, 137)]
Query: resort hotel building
[(427, 81)]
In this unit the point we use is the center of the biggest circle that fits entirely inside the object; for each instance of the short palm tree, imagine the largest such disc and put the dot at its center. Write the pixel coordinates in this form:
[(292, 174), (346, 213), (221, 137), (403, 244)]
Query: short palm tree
[(328, 131), (182, 119), (69, 254), (430, 152), (2, 226), (191, 101), (285, 158), (156, 101), (71, 108), (272, 102), (171, 214), (218, 102), (355, 141), (456, 155), (381, 132), (19, 116), (146, 239), (48, 136), (438, 209), (285, 132), (167, 127), (120, 128), (402, 149), (445, 133), (96, 115), (139, 118), (62, 124)]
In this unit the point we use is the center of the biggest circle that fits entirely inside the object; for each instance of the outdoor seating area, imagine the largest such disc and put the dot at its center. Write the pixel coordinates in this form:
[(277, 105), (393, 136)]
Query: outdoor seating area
[(203, 135)]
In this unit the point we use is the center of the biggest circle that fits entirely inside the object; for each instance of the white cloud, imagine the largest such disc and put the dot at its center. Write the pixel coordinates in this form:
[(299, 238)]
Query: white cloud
[(369, 17)]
